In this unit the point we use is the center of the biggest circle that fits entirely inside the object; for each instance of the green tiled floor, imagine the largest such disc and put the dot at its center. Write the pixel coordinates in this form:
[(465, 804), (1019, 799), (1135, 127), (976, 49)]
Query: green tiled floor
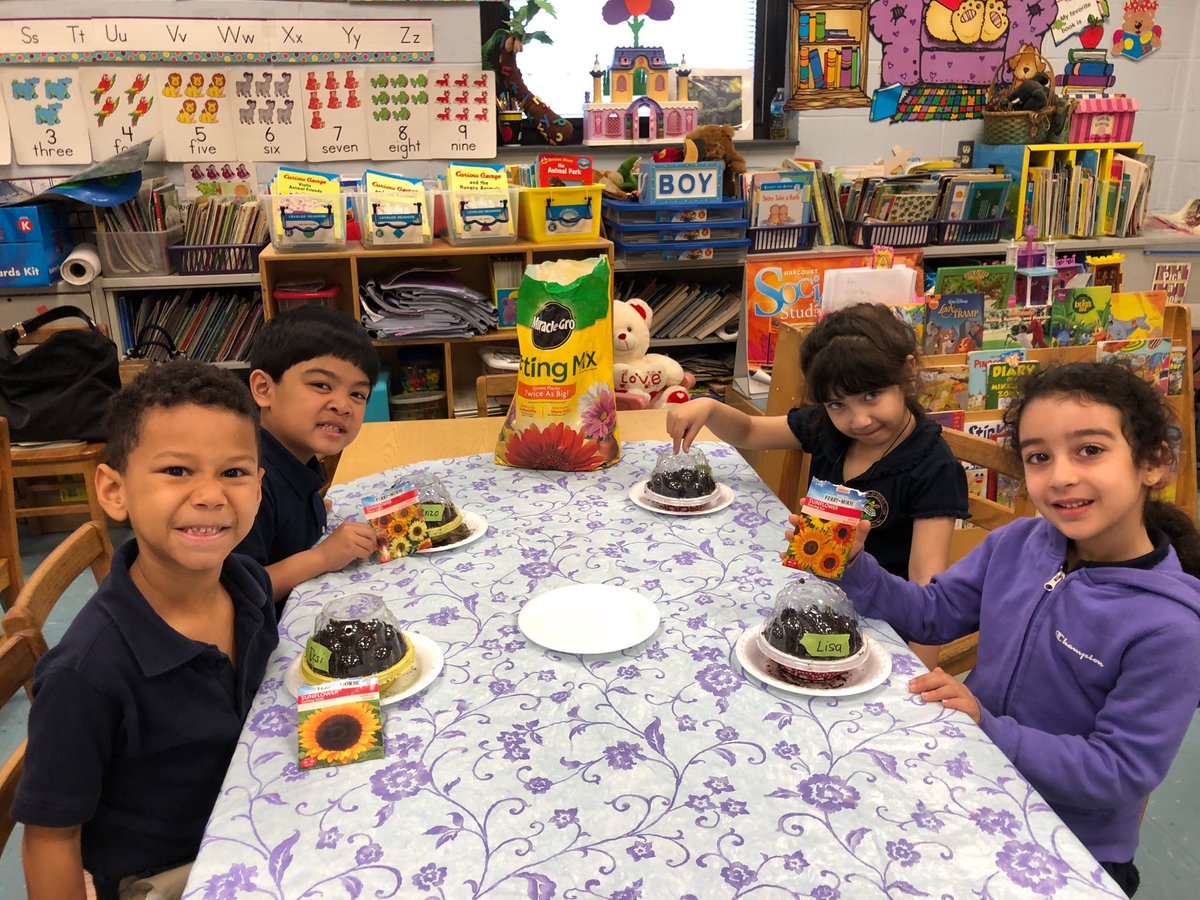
[(1169, 856)]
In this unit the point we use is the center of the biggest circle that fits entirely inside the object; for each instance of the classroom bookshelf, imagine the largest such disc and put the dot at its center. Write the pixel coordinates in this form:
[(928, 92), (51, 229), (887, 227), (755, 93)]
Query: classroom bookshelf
[(352, 267), (1096, 158), (829, 40)]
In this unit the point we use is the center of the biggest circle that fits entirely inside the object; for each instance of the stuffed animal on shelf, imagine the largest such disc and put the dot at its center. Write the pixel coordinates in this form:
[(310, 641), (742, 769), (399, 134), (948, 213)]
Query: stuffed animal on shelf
[(643, 379), (621, 184), (1030, 95), (716, 142)]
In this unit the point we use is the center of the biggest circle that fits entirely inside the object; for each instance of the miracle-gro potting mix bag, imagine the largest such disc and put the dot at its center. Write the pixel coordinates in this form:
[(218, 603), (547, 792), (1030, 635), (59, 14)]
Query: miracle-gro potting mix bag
[(564, 413)]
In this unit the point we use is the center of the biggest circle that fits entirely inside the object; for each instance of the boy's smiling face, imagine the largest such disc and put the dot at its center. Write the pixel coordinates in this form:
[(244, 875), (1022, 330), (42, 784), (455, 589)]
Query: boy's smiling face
[(316, 407), (190, 486)]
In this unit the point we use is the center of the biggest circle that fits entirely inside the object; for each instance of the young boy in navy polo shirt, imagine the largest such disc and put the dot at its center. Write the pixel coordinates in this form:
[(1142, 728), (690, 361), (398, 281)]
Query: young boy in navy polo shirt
[(137, 711), (312, 372)]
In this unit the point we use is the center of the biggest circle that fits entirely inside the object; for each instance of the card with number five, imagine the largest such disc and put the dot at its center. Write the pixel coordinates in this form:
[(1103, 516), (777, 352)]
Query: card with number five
[(46, 115), (197, 114), (123, 109), (270, 120), (335, 120)]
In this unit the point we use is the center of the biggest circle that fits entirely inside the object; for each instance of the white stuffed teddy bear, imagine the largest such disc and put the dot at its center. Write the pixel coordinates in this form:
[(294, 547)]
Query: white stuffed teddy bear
[(643, 379)]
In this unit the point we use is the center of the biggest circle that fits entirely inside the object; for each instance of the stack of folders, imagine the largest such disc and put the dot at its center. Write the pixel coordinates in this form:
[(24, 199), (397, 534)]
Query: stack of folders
[(686, 309), (214, 325), (420, 302), (224, 220)]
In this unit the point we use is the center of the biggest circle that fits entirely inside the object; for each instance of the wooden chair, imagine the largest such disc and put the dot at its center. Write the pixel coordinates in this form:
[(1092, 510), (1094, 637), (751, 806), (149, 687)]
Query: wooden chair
[(17, 661), (87, 546), (11, 577), (487, 386), (80, 461)]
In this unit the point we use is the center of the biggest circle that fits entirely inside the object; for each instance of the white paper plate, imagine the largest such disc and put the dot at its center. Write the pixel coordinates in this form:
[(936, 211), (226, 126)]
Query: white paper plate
[(588, 618), (430, 660), (475, 522), (638, 494), (872, 673)]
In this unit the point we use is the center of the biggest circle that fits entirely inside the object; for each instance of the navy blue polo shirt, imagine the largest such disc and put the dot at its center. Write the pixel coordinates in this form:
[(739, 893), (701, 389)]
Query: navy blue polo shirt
[(918, 479), (133, 725), (291, 517)]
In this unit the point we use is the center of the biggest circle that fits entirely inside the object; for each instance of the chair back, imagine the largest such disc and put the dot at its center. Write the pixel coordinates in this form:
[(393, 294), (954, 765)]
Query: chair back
[(16, 669), (487, 386), (11, 577), (85, 548)]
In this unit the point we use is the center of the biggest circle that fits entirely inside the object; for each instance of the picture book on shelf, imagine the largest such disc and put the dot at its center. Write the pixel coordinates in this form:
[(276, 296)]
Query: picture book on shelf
[(1136, 315), (781, 203), (988, 429), (994, 282), (953, 323), (563, 170), (951, 418), (1002, 379), (943, 388), (1078, 316), (1149, 359), (978, 362)]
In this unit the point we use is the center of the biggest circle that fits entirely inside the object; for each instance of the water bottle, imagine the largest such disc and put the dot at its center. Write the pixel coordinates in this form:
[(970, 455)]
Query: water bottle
[(778, 129)]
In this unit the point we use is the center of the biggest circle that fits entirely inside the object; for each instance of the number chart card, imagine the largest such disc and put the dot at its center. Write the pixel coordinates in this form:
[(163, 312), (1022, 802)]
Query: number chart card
[(197, 113), (335, 115), (123, 109), (270, 117), (46, 116), (462, 124), (398, 114), (5, 139)]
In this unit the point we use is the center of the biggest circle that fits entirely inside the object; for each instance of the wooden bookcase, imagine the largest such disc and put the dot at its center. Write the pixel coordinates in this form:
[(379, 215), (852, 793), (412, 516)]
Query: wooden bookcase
[(354, 266)]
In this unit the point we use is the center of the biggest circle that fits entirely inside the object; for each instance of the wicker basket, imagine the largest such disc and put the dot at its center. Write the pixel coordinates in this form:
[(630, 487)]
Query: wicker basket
[(1002, 125)]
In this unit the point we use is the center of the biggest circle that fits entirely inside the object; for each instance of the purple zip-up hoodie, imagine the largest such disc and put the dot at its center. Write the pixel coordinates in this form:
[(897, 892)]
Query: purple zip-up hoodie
[(1086, 681)]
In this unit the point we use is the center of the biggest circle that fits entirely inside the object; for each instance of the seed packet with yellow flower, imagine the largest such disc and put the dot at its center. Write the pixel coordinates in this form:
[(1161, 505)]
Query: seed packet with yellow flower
[(339, 722), (829, 516), (399, 525)]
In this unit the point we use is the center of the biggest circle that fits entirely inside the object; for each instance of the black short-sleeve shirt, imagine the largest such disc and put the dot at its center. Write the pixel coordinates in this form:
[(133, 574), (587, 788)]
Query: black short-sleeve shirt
[(133, 724), (918, 479), (291, 516)]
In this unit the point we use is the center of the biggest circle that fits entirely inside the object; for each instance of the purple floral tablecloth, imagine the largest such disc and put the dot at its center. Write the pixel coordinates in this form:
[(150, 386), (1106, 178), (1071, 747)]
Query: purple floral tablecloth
[(662, 771)]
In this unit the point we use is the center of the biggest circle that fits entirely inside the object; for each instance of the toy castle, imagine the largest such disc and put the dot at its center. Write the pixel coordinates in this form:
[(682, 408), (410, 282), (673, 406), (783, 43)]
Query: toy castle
[(638, 109)]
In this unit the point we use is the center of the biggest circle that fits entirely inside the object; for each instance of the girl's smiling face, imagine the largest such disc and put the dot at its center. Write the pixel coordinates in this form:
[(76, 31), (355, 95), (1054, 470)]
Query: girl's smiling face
[(1081, 476)]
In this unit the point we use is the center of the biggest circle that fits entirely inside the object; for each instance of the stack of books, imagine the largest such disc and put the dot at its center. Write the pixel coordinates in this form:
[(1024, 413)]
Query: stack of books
[(214, 325), (1077, 199), (686, 309)]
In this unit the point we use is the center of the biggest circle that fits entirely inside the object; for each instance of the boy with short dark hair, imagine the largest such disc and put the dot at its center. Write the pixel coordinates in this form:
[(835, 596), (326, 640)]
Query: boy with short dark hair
[(138, 709), (312, 372)]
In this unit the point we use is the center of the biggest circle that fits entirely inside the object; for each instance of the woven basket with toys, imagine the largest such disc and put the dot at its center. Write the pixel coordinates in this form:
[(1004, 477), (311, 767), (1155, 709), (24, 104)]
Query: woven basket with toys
[(1021, 101)]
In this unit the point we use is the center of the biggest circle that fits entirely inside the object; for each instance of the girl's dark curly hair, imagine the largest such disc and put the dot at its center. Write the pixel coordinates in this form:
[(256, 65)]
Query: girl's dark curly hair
[(1147, 423)]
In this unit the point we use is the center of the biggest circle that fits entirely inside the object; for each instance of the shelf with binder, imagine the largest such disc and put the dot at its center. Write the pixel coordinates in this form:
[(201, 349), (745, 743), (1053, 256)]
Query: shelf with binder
[(208, 323)]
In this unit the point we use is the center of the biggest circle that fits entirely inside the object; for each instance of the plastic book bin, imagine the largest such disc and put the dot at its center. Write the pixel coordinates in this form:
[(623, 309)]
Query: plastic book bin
[(892, 234), (675, 232), (561, 214), (326, 296), (781, 238), (395, 220), (972, 231), (487, 217), (137, 252), (713, 252), (215, 259), (309, 221)]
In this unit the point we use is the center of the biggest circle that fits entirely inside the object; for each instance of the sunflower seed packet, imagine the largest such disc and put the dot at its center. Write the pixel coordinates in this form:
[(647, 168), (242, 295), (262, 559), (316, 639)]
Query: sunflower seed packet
[(339, 722), (398, 522), (829, 517)]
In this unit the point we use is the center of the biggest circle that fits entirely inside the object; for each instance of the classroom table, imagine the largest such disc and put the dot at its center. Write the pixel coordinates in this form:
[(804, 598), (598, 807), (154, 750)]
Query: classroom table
[(660, 771)]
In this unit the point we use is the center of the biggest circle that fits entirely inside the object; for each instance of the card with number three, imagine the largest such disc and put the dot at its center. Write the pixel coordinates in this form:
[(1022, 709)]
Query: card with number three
[(46, 115), (197, 113), (123, 109), (270, 115)]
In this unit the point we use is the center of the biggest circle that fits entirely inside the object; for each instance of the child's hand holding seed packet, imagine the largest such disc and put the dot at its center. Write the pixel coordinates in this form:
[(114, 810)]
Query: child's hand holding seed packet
[(829, 517), (395, 515)]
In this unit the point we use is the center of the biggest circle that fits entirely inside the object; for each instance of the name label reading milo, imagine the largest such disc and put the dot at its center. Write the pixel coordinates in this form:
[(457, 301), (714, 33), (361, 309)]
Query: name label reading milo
[(833, 646)]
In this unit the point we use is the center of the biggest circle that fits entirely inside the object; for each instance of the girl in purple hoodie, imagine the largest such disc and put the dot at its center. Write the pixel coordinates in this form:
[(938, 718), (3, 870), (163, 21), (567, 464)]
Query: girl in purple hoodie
[(1089, 617)]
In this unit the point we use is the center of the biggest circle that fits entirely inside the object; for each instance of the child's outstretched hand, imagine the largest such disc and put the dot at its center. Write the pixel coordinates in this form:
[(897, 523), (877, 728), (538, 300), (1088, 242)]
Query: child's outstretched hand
[(684, 421), (937, 686), (860, 535), (348, 542)]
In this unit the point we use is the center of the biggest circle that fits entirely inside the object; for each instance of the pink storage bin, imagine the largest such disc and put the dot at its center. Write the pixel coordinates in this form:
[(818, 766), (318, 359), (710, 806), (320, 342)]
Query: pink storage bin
[(1103, 119)]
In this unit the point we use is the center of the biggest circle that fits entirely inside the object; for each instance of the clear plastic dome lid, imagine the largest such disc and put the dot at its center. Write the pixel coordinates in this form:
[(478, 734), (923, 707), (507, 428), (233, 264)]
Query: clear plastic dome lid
[(437, 506), (813, 619), (354, 636), (683, 476)]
